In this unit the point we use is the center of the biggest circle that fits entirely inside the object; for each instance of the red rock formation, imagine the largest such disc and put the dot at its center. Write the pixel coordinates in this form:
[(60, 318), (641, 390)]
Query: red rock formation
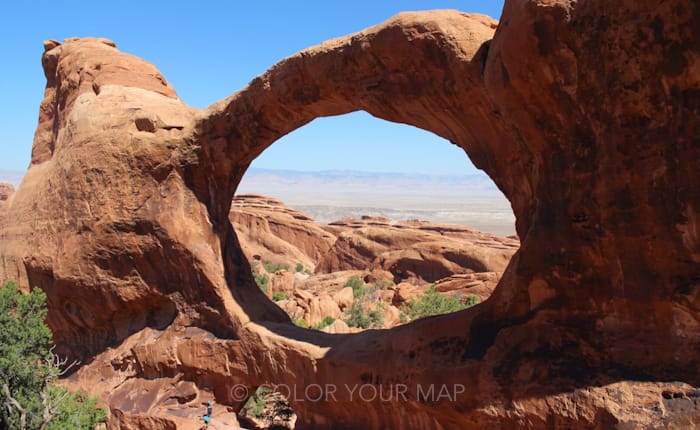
[(270, 231), (479, 284), (415, 250), (585, 114)]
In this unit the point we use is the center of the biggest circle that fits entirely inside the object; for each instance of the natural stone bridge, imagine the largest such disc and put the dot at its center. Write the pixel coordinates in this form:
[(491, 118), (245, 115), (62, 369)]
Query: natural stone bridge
[(586, 116)]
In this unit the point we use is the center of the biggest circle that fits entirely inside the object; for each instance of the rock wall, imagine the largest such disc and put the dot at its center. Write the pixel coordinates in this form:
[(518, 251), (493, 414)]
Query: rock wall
[(586, 116)]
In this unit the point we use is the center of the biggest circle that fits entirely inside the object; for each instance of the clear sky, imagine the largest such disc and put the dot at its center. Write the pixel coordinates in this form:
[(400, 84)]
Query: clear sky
[(208, 50)]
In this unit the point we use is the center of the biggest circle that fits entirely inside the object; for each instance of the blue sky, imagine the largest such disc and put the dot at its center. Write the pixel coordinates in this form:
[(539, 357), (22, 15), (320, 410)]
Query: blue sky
[(208, 50)]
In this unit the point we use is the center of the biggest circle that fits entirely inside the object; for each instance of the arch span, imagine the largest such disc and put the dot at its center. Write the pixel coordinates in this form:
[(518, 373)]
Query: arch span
[(423, 69)]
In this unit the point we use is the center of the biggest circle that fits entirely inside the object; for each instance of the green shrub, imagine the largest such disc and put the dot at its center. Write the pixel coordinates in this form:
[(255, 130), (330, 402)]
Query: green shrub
[(323, 324), (299, 267), (301, 323), (433, 303), (280, 295), (383, 285), (376, 316), (357, 285), (472, 300), (359, 318), (262, 280), (270, 408), (271, 267), (255, 405), (28, 370)]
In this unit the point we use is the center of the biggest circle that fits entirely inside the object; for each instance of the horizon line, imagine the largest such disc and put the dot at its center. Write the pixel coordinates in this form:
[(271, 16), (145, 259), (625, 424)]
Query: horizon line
[(478, 172)]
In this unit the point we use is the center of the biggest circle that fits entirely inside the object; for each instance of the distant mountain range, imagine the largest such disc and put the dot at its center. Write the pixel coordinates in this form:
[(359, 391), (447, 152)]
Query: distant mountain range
[(350, 181)]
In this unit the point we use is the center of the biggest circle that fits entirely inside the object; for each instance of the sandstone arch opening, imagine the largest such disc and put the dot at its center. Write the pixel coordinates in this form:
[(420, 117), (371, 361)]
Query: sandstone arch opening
[(345, 250)]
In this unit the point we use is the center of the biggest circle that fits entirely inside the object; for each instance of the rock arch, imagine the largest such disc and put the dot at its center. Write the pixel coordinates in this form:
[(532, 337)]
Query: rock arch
[(596, 157)]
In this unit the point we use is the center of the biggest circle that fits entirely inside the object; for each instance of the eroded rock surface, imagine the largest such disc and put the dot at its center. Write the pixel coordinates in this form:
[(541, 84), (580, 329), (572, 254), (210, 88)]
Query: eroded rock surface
[(415, 249), (6, 190), (270, 231), (420, 251), (586, 116)]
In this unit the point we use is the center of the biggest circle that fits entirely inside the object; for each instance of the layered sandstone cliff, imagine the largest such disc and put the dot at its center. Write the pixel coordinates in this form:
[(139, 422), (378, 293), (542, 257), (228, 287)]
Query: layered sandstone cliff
[(586, 116)]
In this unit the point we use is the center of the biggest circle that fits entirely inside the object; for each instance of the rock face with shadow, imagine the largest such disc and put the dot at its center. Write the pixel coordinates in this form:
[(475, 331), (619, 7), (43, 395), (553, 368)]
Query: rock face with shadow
[(585, 114)]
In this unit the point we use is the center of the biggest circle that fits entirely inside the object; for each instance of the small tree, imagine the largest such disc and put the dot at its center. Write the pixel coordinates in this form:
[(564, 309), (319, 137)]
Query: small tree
[(29, 399)]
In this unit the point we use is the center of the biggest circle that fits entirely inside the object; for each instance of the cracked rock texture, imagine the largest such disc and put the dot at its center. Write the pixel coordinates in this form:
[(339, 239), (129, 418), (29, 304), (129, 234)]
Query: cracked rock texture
[(586, 116)]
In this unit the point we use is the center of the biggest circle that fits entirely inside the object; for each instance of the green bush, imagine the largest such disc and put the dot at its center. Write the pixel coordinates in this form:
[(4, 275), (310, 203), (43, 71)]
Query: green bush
[(472, 300), (433, 303), (323, 324), (383, 285), (301, 323), (270, 408), (28, 370), (279, 295), (362, 319), (357, 285), (376, 316), (357, 316), (299, 267), (271, 267), (255, 405), (261, 280)]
